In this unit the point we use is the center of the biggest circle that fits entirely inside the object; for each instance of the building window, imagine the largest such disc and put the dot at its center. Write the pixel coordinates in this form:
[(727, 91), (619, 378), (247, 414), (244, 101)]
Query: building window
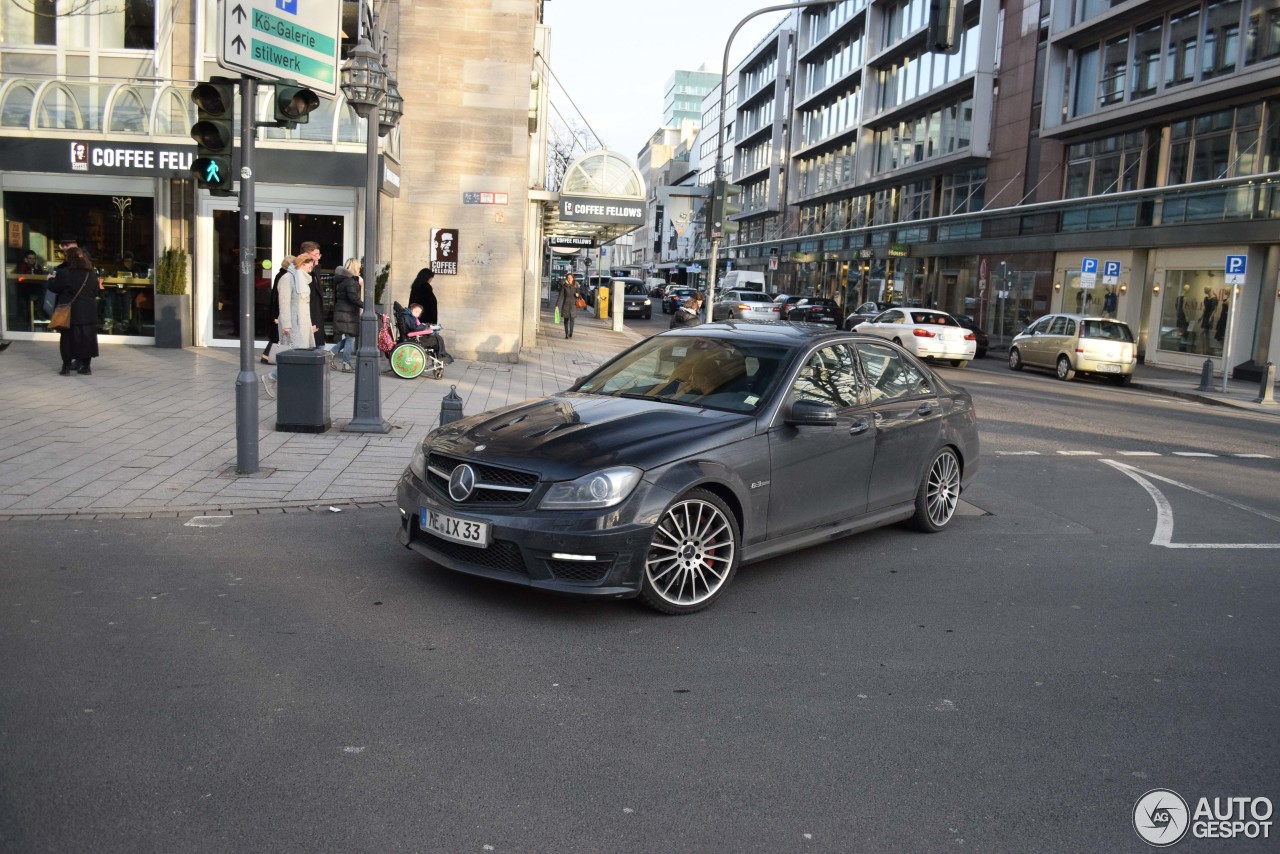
[(1194, 312), (1180, 48), (1146, 59), (1221, 38), (1115, 62), (1263, 34), (18, 103), (34, 23), (1086, 82)]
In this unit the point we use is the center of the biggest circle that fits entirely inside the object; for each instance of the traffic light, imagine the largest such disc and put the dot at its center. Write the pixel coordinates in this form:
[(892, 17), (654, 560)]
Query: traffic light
[(730, 206), (944, 25), (214, 134), (294, 103), (726, 201)]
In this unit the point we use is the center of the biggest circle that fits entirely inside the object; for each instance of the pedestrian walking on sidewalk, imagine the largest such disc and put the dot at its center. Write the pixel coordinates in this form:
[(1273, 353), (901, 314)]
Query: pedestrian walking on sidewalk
[(347, 306), (77, 285), (567, 302), (297, 332), (421, 293), (310, 247), (689, 313), (273, 309)]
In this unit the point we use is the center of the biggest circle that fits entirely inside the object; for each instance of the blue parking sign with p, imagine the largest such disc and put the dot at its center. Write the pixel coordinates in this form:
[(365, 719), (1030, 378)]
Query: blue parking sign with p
[(1089, 265), (1111, 268), (1236, 264), (290, 6)]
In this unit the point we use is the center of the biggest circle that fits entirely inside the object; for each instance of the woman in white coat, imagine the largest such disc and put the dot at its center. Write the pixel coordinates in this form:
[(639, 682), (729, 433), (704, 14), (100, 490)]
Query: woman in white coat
[(297, 332)]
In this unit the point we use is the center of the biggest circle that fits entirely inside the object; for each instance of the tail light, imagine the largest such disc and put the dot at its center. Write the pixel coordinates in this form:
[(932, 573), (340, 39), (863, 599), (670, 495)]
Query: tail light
[(776, 310), (924, 333), (743, 307), (970, 337)]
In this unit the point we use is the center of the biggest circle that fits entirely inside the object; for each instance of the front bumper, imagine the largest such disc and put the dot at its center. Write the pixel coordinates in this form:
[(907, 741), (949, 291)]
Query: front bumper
[(524, 543)]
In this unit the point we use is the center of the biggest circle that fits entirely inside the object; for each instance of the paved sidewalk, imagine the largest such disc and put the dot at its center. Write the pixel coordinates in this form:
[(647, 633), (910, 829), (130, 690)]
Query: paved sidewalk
[(153, 432)]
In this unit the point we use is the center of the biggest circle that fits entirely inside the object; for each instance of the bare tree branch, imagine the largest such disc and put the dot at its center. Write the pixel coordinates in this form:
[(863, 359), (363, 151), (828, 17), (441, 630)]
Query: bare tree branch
[(68, 8)]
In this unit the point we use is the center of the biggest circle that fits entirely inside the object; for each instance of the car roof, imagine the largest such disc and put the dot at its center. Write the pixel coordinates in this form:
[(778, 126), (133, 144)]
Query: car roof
[(1083, 317), (794, 334)]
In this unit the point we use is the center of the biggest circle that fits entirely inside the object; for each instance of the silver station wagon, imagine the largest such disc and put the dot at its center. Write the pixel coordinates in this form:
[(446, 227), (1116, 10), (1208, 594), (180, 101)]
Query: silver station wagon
[(1071, 344)]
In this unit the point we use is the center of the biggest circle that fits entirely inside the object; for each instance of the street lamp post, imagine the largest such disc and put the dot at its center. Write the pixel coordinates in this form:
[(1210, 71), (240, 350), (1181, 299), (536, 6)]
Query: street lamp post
[(719, 171), (364, 84)]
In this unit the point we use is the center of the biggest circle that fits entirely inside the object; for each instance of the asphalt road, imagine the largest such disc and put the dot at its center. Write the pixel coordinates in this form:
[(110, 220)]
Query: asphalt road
[(298, 682)]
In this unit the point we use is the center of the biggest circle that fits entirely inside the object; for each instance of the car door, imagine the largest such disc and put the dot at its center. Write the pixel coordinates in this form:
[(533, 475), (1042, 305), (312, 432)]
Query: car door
[(1032, 346), (907, 417), (819, 474), (1053, 341)]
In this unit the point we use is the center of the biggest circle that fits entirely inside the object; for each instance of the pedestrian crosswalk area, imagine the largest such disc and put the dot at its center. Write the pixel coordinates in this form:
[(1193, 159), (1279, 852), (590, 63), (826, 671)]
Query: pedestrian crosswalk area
[(1131, 454)]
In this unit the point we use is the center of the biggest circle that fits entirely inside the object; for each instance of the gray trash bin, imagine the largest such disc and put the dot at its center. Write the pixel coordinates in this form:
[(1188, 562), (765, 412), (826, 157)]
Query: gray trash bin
[(302, 392)]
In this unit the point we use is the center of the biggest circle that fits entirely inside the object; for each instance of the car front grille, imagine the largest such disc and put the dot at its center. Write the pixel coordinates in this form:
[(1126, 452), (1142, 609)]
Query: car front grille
[(494, 484), (501, 554), (578, 570)]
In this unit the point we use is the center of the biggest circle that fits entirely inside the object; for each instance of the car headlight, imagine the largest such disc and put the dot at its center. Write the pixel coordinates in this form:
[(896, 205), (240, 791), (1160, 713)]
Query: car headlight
[(599, 489), (418, 465), (648, 302)]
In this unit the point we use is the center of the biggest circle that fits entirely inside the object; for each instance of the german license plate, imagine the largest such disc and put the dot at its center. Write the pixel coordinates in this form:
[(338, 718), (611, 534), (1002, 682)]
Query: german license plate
[(1109, 369), (454, 529)]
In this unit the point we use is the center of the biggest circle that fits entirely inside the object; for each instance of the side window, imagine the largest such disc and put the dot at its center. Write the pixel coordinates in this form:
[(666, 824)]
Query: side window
[(1059, 326), (1071, 328), (890, 375), (1041, 326), (830, 377)]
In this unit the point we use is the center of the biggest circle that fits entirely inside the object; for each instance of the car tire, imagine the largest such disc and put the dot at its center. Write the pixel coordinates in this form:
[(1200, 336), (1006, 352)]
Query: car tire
[(1065, 372), (1122, 380), (959, 363), (648, 315), (696, 533), (938, 494), (897, 341), (981, 354), (1015, 359)]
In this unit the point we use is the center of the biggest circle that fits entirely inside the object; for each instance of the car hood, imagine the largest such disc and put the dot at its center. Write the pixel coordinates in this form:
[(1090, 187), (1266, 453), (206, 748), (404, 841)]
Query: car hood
[(570, 434)]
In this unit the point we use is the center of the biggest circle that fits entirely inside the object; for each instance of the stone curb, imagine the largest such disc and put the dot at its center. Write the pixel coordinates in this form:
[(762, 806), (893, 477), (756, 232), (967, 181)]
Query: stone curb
[(204, 510)]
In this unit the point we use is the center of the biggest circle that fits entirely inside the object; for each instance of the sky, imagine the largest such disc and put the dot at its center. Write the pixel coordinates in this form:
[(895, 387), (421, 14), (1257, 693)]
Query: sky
[(614, 57)]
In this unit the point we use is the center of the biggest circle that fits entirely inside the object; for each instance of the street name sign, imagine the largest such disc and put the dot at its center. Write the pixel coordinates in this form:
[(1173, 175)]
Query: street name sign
[(273, 39)]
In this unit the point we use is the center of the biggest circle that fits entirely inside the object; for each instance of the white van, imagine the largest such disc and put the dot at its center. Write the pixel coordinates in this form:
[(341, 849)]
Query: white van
[(742, 280)]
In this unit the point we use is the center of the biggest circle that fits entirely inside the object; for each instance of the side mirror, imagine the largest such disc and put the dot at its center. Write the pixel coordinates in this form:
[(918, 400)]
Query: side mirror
[(815, 412)]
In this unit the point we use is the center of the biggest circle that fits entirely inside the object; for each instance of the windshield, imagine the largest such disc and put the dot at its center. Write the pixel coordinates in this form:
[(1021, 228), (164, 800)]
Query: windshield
[(636, 289), (752, 296), (933, 317), (731, 375)]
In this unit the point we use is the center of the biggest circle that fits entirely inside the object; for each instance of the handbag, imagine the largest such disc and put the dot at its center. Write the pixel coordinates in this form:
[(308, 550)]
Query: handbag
[(60, 320), (386, 341), (284, 345), (581, 303)]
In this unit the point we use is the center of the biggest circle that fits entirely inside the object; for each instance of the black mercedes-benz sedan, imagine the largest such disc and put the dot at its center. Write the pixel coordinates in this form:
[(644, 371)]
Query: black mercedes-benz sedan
[(693, 452)]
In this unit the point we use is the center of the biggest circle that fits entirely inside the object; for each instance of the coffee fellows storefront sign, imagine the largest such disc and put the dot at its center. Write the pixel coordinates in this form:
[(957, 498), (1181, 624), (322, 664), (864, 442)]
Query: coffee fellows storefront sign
[(92, 157)]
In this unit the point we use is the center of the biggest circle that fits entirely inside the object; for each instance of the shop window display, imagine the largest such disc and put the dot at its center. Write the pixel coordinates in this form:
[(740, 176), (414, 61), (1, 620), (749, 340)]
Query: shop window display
[(1194, 312), (117, 234)]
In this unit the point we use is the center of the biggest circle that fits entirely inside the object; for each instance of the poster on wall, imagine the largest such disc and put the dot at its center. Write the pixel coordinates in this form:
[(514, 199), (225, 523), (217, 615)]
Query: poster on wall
[(15, 234), (444, 251)]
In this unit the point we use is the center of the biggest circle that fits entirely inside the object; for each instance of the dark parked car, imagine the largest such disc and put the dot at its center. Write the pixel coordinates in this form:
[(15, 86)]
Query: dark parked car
[(980, 334), (693, 452), (867, 311), (816, 310)]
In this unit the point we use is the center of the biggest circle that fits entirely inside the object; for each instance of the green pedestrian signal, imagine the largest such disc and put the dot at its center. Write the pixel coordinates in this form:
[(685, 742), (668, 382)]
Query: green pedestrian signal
[(214, 133)]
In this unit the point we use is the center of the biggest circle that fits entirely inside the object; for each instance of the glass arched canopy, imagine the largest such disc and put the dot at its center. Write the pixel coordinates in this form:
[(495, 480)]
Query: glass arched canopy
[(601, 197)]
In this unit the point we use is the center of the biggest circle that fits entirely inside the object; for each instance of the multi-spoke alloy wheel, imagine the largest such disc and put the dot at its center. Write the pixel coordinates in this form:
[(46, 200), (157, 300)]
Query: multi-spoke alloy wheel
[(693, 555), (939, 493)]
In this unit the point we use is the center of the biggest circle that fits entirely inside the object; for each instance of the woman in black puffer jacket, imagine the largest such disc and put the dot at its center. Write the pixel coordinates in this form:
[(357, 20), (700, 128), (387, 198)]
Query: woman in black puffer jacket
[(347, 305), (77, 284)]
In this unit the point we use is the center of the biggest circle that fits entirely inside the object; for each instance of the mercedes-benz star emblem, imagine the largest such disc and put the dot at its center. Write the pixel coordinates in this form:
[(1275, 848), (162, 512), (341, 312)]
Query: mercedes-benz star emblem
[(462, 482)]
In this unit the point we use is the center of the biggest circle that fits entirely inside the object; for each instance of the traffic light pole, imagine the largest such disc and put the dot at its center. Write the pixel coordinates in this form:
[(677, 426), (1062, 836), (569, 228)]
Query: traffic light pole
[(247, 379), (719, 171)]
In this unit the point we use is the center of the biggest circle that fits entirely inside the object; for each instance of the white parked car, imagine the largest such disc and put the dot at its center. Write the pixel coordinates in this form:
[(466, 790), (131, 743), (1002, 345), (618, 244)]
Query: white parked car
[(927, 333)]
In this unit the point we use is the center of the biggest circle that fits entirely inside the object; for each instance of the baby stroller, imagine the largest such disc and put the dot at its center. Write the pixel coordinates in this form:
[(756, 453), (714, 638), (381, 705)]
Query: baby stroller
[(414, 353)]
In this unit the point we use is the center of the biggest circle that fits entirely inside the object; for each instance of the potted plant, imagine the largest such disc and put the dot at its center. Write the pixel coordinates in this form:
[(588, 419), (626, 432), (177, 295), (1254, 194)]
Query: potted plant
[(173, 304)]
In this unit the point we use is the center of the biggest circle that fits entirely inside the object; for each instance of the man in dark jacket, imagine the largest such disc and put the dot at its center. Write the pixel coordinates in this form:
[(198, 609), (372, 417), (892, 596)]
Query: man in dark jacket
[(347, 305), (310, 247)]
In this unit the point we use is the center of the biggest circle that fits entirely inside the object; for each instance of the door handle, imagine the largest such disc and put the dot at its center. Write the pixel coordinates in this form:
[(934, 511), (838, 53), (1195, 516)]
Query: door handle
[(925, 409), (859, 426)]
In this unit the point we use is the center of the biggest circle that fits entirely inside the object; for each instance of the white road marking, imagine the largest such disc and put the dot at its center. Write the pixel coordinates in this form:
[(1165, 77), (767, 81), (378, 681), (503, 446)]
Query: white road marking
[(1139, 453), (1252, 456), (206, 522), (1018, 453), (1192, 454), (1080, 453), (1163, 535)]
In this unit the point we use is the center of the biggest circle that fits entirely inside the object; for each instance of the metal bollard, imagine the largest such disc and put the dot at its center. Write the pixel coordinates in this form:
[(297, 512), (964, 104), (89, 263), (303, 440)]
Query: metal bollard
[(1266, 388), (1206, 376), (450, 406)]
